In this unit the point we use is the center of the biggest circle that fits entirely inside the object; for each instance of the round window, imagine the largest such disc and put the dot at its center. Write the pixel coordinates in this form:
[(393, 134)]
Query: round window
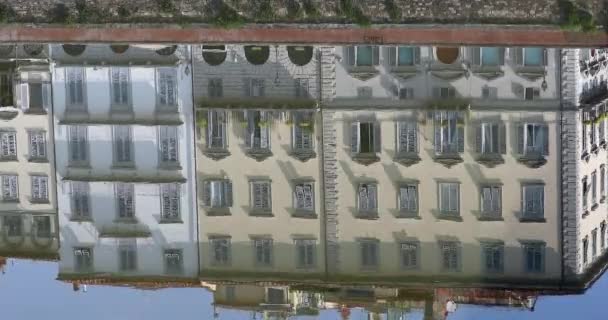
[(447, 55)]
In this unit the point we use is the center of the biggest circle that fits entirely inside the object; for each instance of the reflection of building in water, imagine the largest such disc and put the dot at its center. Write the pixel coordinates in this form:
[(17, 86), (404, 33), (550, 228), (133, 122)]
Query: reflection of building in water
[(27, 199), (124, 154), (444, 169), (258, 167), (585, 95)]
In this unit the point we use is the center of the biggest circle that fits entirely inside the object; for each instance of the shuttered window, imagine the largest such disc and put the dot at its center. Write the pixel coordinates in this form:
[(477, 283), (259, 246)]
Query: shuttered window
[(8, 145), (450, 256), (602, 182), (120, 87), (127, 257), (258, 130), (261, 195), (489, 139), (533, 139), (493, 257), (407, 137), (409, 255), (123, 144), (170, 201), (80, 200), (169, 145), (216, 129), (40, 185), (83, 259), (125, 200), (594, 187), (78, 145), (365, 137), (10, 188), (37, 144), (306, 253), (263, 252), (534, 254), (303, 196), (491, 201), (449, 132), (217, 193), (533, 201), (367, 197), (75, 88), (220, 251), (167, 87), (174, 262), (369, 254), (449, 198), (302, 132), (408, 199)]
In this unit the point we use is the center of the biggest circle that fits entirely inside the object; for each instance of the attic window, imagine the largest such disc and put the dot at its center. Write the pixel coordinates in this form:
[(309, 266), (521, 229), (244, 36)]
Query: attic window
[(447, 55), (74, 49), (257, 55), (119, 48), (167, 51), (33, 49), (214, 55), (300, 55)]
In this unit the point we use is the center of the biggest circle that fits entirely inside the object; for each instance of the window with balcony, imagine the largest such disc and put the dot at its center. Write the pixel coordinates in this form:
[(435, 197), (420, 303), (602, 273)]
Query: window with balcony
[(258, 131), (10, 188), (220, 251), (8, 145), (217, 194), (367, 199), (533, 140), (166, 92), (37, 145), (449, 132), (125, 201), (170, 195), (302, 135), (216, 130)]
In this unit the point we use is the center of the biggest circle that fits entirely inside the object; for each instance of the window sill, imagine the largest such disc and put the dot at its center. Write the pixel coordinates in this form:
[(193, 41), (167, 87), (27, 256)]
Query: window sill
[(125, 220), (170, 166), (124, 166), (603, 199), (449, 159), (585, 156), (35, 111), (40, 201), (9, 201), (366, 158), (407, 159), (170, 221), (259, 154), (585, 213), (490, 218), (532, 161), (532, 220), (38, 160), (81, 219), (218, 212), (258, 213), (304, 214), (450, 217), (490, 160), (303, 155), (369, 269), (366, 215), (408, 215), (79, 165), (9, 159), (603, 144), (215, 153), (595, 149), (167, 109)]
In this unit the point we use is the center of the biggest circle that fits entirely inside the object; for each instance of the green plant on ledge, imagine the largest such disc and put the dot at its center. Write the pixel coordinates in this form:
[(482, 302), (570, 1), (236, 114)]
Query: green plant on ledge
[(227, 17), (311, 9), (353, 13), (575, 18)]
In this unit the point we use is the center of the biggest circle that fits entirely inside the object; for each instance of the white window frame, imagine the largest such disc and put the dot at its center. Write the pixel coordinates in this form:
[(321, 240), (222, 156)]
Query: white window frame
[(217, 193), (263, 252), (306, 253), (8, 144), (409, 254), (168, 145), (80, 200), (120, 88), (451, 190), (259, 201), (408, 199), (304, 196), (372, 139), (170, 202), (490, 138), (40, 188), (10, 187), (166, 88), (220, 248), (254, 141), (125, 201), (38, 146), (123, 148), (78, 148), (75, 85), (494, 192), (449, 139), (217, 122), (367, 198), (531, 144)]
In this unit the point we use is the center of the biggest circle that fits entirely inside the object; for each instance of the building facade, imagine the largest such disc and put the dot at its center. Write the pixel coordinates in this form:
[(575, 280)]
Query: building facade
[(125, 159)]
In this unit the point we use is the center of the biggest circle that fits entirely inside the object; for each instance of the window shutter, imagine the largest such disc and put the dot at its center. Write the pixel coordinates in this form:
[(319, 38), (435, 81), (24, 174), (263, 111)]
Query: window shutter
[(475, 55), (377, 140), (46, 96), (354, 137), (478, 138), (496, 198), (206, 193), (520, 138), (308, 197), (376, 55), (519, 56), (416, 55), (228, 193), (372, 193), (437, 128), (265, 137), (36, 192), (501, 56), (545, 56), (349, 54), (460, 139), (25, 96), (502, 140), (392, 55), (545, 139), (412, 134)]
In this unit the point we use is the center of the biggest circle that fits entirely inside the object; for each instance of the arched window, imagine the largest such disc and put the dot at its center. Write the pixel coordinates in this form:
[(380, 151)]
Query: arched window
[(33, 49), (300, 55), (214, 55), (6, 50), (167, 51), (257, 55), (74, 49), (119, 48), (447, 55)]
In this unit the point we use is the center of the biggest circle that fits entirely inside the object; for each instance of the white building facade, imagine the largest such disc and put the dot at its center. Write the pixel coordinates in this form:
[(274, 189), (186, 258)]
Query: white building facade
[(125, 159)]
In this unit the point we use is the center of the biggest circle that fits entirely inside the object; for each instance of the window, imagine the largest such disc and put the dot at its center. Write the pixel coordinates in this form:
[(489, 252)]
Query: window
[(173, 261), (302, 137), (10, 188), (263, 252), (169, 145), (119, 87), (594, 187), (306, 253), (75, 87), (450, 256), (80, 200), (167, 87), (493, 257), (594, 243), (217, 193), (365, 137), (534, 254), (123, 142), (216, 88), (449, 135), (6, 89), (303, 197), (408, 199), (364, 92), (585, 187), (592, 135), (585, 249), (490, 56), (83, 259), (407, 137), (406, 56), (78, 145), (489, 92), (409, 255), (444, 92), (532, 93), (488, 138), (533, 201), (37, 145), (13, 226), (125, 200), (35, 96), (602, 182), (170, 201), (533, 56), (216, 130), (255, 87), (127, 257), (261, 196), (258, 129), (40, 192), (220, 251), (406, 93), (367, 196), (42, 225), (362, 56), (603, 235), (534, 139), (369, 254), (230, 293), (8, 145), (601, 130), (491, 201), (584, 138), (302, 88), (449, 198)]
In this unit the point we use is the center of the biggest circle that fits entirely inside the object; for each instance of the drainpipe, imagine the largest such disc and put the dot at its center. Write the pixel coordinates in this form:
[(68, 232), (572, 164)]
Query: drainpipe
[(560, 235)]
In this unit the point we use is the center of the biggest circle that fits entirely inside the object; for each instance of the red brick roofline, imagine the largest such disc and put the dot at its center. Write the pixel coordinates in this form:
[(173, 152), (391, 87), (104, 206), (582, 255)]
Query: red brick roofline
[(550, 36)]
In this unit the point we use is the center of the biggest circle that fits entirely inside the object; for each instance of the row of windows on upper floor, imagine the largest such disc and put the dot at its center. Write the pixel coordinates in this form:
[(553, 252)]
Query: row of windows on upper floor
[(13, 227), (33, 95), (594, 244), (123, 147), (589, 186), (593, 136), (37, 149), (124, 194), (39, 185), (450, 254), (217, 199), (173, 259), (448, 128)]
